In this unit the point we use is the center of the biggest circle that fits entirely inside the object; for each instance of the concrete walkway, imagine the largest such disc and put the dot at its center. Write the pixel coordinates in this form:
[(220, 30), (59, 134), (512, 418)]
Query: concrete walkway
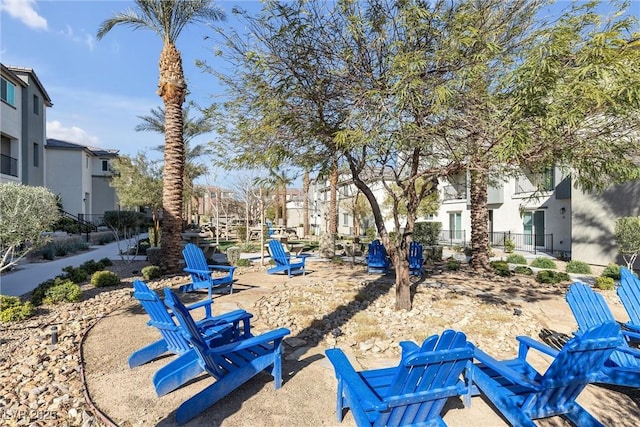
[(28, 276)]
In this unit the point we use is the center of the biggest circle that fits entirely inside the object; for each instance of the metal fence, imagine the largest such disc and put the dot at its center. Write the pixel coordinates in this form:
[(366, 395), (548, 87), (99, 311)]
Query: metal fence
[(521, 242), (8, 165)]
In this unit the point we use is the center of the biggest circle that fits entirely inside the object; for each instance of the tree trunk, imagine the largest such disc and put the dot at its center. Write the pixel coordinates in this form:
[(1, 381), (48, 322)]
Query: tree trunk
[(479, 221), (172, 89), (403, 282), (306, 182), (333, 200), (276, 204)]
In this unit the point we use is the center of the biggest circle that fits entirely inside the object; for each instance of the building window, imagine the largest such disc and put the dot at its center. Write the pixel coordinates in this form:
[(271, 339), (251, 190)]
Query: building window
[(8, 90), (86, 162), (36, 105), (455, 225), (36, 155), (105, 165), (345, 219)]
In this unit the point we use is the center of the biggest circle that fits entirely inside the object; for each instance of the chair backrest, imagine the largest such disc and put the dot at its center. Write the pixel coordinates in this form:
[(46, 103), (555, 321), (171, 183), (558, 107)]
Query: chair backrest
[(415, 254), (377, 253), (277, 252), (160, 317), (437, 364), (195, 259), (192, 333), (588, 307), (575, 366), (629, 293)]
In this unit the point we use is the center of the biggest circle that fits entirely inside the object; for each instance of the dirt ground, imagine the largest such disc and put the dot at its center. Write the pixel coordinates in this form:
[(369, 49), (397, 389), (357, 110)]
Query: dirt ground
[(307, 397)]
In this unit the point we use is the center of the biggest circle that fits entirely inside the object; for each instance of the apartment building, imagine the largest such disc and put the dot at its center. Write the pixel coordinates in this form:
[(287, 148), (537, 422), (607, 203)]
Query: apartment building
[(22, 126)]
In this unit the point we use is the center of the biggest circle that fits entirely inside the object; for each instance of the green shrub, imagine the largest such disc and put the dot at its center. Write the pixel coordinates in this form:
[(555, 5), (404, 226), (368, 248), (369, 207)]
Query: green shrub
[(39, 293), (371, 233), (154, 255), (501, 268), (104, 278), (543, 263), (521, 269), (605, 283), (76, 275), (427, 233), (612, 270), (66, 291), (337, 260), (106, 262), (151, 272), (509, 245), (233, 254), (12, 310), (244, 262), (578, 267), (453, 264), (550, 276), (516, 259)]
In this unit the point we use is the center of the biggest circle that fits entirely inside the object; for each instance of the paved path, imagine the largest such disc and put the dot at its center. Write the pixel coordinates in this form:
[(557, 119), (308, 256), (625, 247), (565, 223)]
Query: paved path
[(29, 275)]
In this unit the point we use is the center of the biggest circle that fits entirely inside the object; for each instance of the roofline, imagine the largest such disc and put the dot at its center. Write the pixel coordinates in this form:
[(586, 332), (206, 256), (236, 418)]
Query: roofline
[(39, 84), (6, 70)]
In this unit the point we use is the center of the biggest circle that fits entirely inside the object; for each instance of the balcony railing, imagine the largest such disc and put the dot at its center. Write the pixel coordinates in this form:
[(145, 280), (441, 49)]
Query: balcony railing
[(452, 238), (523, 242), (453, 192), (539, 182), (9, 165)]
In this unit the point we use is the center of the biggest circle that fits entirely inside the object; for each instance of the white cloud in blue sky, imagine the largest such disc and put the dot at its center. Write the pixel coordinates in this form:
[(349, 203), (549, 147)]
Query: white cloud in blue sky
[(56, 130), (24, 10)]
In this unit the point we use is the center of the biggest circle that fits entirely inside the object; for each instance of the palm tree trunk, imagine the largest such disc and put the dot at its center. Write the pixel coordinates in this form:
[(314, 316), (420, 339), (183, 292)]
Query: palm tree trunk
[(333, 200), (284, 206), (172, 89), (479, 221)]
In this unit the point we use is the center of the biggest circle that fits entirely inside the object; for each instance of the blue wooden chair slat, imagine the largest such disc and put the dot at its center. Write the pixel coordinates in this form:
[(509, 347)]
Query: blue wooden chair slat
[(412, 393), (629, 293), (202, 274), (377, 259), (416, 258), (220, 329), (590, 309), (522, 394), (284, 262), (231, 364)]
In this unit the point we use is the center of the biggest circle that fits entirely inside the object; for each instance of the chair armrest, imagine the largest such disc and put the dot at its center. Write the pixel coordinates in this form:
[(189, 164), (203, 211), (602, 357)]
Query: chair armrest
[(634, 334), (230, 317), (276, 334), (346, 373), (527, 342), (629, 350), (504, 370), (229, 268), (408, 347), (203, 303)]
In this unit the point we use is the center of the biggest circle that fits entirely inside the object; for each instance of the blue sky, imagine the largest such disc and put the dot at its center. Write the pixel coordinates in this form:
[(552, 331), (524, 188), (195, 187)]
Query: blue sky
[(98, 88)]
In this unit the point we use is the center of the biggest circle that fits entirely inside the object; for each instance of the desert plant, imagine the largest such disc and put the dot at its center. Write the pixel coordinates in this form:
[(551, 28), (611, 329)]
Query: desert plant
[(151, 272), (501, 268), (104, 278), (543, 263), (12, 310), (76, 275), (509, 245), (552, 277), (516, 259), (154, 256), (65, 291), (612, 270), (233, 254), (605, 283), (578, 267), (521, 269), (627, 233), (244, 262), (337, 260), (453, 264), (106, 262)]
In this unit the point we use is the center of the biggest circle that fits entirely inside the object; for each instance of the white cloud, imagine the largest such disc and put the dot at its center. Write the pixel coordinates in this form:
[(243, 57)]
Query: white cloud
[(74, 134), (89, 41), (82, 38), (25, 12)]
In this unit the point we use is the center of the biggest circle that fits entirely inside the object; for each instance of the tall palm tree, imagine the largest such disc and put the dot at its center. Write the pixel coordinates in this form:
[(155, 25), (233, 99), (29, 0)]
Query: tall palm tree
[(167, 18)]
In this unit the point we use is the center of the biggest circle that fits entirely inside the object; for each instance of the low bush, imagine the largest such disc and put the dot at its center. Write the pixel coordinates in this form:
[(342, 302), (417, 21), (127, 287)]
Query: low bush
[(509, 245), (516, 259), (337, 260), (76, 275), (154, 255), (104, 278), (543, 263), (521, 269), (501, 268), (233, 254), (453, 264), (244, 262), (552, 277), (151, 272), (105, 262), (39, 293), (612, 270), (65, 291), (605, 283), (578, 267), (12, 310)]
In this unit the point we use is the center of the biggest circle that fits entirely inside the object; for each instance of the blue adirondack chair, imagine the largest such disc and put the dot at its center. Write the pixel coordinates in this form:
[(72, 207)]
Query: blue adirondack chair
[(202, 275), (377, 258), (629, 293), (416, 259), (522, 394), (231, 364), (220, 329), (412, 393), (284, 262), (590, 309)]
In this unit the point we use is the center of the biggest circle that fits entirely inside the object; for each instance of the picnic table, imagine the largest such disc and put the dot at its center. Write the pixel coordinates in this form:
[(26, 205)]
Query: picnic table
[(201, 240)]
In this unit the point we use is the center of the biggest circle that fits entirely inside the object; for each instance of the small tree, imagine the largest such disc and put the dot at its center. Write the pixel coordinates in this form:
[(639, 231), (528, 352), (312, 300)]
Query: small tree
[(627, 234), (125, 226), (25, 212)]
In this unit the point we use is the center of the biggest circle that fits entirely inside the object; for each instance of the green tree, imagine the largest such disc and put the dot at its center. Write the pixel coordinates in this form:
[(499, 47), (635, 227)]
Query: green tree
[(167, 18), (138, 182), (627, 232), (25, 212)]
